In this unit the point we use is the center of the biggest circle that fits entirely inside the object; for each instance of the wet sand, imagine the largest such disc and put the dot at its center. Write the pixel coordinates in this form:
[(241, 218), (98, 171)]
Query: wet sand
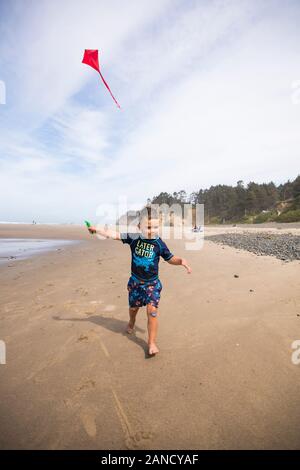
[(15, 249), (223, 379)]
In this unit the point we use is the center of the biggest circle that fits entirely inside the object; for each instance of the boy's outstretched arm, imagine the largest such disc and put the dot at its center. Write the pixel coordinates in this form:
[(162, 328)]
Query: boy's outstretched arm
[(180, 261), (105, 232)]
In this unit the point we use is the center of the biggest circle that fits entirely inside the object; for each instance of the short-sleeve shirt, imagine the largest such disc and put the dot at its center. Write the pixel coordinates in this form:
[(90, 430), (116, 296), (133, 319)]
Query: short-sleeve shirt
[(145, 255)]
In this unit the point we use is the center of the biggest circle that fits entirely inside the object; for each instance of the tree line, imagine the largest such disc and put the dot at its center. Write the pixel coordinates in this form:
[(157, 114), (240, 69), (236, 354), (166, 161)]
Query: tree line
[(251, 203)]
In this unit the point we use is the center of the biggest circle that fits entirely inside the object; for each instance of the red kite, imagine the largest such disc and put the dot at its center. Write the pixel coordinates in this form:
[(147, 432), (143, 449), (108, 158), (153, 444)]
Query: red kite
[(90, 58)]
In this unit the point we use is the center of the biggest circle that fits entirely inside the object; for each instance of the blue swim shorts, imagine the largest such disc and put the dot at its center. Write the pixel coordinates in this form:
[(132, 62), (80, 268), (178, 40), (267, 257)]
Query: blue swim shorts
[(141, 294)]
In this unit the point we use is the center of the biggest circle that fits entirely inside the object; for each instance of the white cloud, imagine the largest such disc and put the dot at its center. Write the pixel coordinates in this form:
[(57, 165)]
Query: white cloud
[(205, 90), (229, 120), (82, 132), (46, 42)]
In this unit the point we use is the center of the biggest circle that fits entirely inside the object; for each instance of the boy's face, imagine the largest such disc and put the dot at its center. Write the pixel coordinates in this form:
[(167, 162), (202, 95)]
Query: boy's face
[(149, 227)]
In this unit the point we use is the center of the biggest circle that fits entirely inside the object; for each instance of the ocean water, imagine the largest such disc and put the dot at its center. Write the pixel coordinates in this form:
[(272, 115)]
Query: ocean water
[(14, 249)]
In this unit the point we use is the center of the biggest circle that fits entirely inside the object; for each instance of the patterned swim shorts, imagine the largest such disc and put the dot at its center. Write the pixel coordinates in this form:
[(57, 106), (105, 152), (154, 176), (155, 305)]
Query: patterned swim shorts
[(140, 294)]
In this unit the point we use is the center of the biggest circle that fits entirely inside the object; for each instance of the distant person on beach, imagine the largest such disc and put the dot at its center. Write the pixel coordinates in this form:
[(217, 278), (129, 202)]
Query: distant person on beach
[(144, 286)]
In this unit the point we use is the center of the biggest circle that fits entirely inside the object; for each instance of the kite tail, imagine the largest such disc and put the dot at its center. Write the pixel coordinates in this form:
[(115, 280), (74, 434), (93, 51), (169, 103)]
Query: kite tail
[(109, 90)]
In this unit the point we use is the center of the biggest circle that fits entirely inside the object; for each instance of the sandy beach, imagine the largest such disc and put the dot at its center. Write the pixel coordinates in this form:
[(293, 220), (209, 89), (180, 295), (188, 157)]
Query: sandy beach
[(223, 379)]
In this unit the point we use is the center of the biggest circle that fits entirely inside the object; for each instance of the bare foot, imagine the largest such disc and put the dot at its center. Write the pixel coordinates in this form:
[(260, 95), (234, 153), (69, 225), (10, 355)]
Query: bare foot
[(130, 328), (153, 349)]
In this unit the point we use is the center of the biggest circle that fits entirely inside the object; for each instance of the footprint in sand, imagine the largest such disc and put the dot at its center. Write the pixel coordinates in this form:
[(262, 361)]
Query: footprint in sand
[(138, 440), (45, 307), (85, 385), (13, 310), (91, 335), (143, 436), (83, 338), (75, 399), (82, 291), (88, 421)]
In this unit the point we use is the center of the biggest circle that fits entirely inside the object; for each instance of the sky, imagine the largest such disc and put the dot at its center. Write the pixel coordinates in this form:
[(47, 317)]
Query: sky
[(209, 94)]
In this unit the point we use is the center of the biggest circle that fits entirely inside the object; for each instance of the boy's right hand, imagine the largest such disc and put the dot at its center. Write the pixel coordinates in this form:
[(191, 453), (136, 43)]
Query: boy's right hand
[(104, 232)]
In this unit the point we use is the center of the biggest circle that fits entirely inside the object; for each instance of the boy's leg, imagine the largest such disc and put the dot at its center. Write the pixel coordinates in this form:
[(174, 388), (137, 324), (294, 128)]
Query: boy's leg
[(132, 315), (152, 314)]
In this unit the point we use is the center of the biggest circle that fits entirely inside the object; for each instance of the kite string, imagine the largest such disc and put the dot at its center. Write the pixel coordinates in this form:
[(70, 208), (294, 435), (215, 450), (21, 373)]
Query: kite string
[(109, 89)]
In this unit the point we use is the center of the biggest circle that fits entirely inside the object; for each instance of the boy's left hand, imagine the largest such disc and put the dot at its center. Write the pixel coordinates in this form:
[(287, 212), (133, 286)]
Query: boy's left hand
[(187, 267)]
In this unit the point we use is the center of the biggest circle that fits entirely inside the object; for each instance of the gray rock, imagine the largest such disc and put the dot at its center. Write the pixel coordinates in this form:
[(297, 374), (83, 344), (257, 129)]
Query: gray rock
[(285, 247)]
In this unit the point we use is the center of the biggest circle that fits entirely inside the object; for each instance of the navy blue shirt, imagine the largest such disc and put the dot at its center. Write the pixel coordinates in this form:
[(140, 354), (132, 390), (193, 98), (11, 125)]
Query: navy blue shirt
[(145, 255)]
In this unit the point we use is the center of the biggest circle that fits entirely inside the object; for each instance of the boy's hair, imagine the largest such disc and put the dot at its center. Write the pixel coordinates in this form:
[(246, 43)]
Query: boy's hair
[(148, 213)]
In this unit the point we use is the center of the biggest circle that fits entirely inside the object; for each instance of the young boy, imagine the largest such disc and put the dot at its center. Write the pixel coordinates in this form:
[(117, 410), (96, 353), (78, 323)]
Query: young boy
[(144, 286)]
